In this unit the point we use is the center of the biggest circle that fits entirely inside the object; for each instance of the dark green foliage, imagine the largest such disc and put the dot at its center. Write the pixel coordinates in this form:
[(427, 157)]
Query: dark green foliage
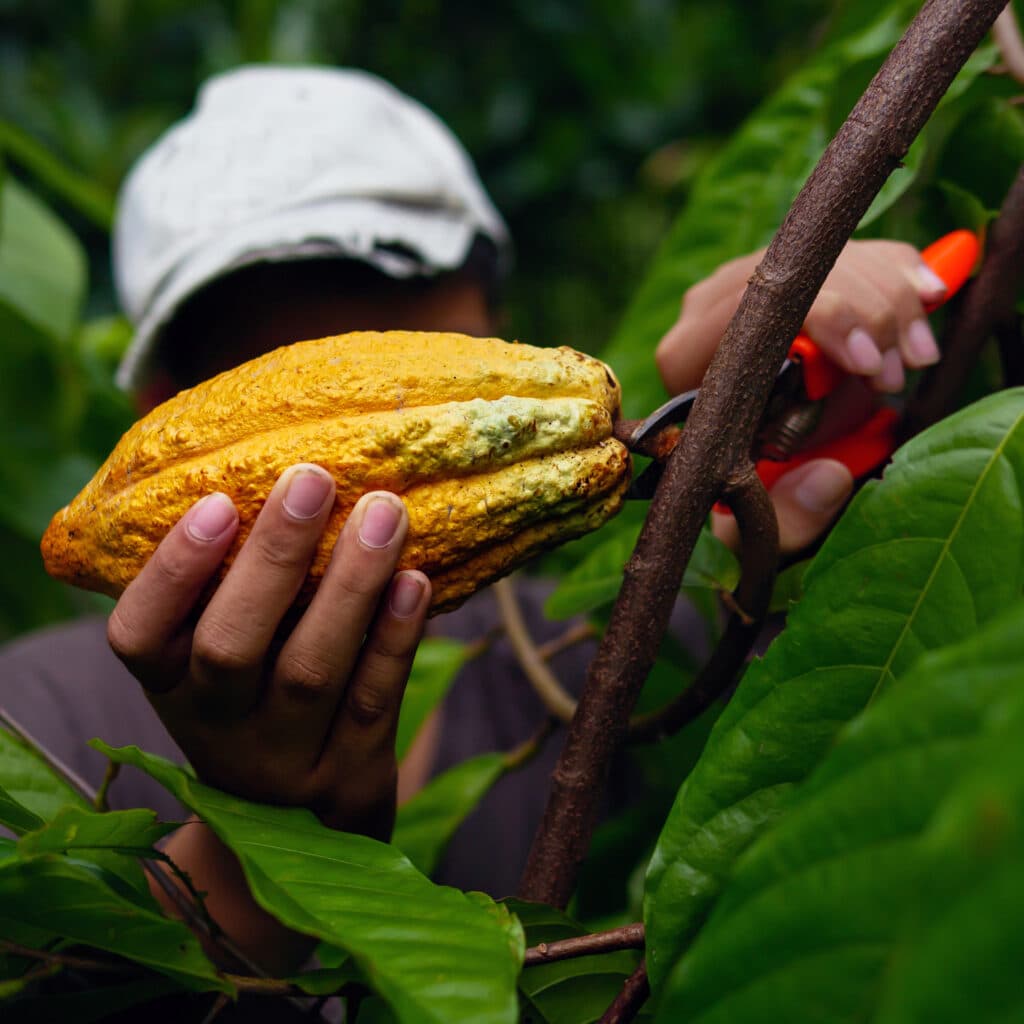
[(843, 839)]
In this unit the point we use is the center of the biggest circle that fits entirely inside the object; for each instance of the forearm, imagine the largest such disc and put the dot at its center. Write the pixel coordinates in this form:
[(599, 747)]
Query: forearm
[(215, 871)]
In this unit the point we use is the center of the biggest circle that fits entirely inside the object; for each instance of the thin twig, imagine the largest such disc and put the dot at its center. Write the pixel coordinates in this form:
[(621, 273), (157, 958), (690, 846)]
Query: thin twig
[(519, 756), (78, 963), (988, 301), (630, 936), (555, 698), (631, 998), (575, 634), (759, 554), (721, 426), (220, 1003), (1006, 33)]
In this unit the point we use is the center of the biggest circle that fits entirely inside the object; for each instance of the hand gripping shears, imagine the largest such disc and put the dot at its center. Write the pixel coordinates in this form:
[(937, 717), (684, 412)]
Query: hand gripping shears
[(806, 379)]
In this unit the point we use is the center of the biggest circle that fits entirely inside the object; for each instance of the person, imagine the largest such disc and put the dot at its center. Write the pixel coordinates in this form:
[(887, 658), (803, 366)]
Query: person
[(302, 202)]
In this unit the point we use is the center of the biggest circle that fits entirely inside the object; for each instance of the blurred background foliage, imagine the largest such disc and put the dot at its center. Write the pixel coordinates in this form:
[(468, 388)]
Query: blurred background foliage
[(595, 125)]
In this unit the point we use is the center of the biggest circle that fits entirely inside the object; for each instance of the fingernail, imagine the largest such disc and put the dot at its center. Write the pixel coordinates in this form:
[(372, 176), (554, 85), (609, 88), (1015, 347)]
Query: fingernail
[(823, 488), (891, 378), (921, 347), (308, 489), (406, 595), (210, 517), (929, 283), (863, 352), (380, 520)]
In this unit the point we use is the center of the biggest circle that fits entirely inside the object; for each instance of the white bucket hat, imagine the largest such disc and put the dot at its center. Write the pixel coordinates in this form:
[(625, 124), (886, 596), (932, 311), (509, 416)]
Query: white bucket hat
[(279, 163)]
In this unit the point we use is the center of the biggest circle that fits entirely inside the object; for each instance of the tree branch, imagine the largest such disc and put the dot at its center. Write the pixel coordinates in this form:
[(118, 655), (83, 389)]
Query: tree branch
[(722, 424), (987, 302), (630, 999), (555, 698), (1008, 39), (629, 936), (759, 555)]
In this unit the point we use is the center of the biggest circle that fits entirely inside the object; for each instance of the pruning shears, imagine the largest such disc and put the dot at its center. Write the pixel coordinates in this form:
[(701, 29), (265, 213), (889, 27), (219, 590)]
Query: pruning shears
[(804, 382)]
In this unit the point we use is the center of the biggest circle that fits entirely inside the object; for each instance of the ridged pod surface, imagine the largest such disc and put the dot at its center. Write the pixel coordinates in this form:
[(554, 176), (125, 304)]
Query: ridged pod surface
[(499, 450)]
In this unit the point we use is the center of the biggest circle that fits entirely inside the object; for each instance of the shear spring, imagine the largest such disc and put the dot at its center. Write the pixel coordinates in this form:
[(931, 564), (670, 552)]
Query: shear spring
[(786, 435)]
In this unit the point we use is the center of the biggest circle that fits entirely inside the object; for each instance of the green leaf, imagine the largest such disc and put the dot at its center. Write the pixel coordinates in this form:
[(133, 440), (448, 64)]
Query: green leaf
[(81, 192), (56, 896), (574, 991), (16, 817), (31, 782), (438, 661), (73, 828), (789, 587), (918, 561), (426, 824), (901, 854), (114, 840), (434, 953), (42, 265)]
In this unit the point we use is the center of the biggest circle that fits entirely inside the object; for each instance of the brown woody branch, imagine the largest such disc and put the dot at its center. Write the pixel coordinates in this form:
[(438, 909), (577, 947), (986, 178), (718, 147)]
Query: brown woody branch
[(987, 303), (631, 998), (1008, 39), (722, 424), (630, 936), (759, 553)]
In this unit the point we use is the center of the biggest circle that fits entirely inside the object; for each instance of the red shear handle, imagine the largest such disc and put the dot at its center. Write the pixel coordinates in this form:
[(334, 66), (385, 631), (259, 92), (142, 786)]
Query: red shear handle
[(860, 451), (952, 257)]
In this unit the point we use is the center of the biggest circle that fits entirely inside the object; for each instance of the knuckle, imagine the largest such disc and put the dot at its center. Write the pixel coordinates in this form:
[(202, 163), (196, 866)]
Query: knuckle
[(125, 639), (218, 647), (882, 321), (174, 565), (306, 678), (369, 700)]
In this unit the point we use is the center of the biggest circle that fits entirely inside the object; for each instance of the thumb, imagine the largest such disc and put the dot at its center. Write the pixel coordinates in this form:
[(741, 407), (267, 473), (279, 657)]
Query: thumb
[(806, 501)]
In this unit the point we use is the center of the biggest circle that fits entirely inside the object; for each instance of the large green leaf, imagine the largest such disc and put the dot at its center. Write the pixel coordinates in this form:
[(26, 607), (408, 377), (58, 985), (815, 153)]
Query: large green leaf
[(426, 824), (917, 562), (574, 991), (434, 953), (42, 265), (56, 896), (899, 857), (31, 782)]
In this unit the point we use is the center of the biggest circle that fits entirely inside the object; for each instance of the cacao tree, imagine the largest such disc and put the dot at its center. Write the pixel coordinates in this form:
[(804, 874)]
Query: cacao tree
[(840, 836)]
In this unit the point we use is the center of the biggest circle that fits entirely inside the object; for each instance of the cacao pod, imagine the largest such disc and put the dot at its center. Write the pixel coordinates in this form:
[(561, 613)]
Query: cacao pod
[(499, 450)]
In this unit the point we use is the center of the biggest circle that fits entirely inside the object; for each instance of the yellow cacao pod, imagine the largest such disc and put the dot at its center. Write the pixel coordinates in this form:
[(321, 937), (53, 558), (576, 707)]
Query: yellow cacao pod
[(499, 451)]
